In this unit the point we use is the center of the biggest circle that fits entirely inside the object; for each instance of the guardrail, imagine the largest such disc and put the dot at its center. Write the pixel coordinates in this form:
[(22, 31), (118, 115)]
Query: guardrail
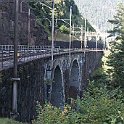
[(24, 47), (28, 53), (25, 53)]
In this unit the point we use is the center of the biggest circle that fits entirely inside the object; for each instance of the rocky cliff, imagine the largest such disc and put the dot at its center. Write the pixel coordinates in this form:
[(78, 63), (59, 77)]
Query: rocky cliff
[(28, 30)]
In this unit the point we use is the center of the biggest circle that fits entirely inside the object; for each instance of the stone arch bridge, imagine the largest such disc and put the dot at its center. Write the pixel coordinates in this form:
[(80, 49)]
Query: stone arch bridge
[(40, 82)]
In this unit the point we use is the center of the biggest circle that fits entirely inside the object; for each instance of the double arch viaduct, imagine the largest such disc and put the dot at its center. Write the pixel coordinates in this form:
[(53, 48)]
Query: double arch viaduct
[(41, 82)]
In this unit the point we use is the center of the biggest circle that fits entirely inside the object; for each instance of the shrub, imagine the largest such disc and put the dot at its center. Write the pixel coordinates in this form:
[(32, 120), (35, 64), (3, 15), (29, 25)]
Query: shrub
[(64, 29), (99, 106), (8, 121), (53, 115)]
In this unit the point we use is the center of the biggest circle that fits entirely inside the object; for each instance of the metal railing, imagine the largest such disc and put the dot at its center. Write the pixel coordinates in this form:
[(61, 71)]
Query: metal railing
[(23, 47), (28, 53), (25, 53)]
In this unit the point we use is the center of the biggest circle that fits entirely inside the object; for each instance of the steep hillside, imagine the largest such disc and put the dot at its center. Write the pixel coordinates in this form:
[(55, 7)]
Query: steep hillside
[(28, 31), (98, 11), (62, 11)]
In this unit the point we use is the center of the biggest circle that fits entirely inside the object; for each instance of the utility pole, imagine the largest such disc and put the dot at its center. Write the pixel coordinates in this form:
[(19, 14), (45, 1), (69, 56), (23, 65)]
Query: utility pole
[(15, 79), (81, 36), (96, 41), (85, 37), (29, 30), (72, 45), (52, 47), (70, 35)]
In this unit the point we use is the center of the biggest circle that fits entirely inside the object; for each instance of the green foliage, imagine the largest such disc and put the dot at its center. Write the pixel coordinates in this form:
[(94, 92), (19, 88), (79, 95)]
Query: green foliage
[(116, 57), (64, 29), (50, 115), (118, 23), (8, 121), (98, 106), (100, 77), (117, 64), (62, 11)]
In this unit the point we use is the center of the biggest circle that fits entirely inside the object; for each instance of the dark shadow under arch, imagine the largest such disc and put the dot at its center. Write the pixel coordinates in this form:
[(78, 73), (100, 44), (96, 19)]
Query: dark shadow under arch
[(57, 96), (74, 80)]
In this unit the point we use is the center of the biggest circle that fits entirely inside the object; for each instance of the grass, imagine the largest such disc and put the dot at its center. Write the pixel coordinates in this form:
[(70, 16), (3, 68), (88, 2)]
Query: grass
[(8, 121)]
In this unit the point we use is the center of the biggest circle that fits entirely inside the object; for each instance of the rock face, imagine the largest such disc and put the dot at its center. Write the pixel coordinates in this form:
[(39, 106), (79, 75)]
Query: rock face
[(28, 31), (41, 36)]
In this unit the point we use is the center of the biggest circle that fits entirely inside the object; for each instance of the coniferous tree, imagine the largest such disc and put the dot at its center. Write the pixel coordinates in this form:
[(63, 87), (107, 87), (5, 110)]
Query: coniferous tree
[(116, 57)]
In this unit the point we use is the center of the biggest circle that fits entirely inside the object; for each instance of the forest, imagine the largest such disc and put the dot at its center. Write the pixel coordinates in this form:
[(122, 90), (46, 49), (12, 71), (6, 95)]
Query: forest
[(62, 13)]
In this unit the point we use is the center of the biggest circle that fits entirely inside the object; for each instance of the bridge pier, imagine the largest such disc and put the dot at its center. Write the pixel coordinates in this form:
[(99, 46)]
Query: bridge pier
[(30, 89), (66, 84)]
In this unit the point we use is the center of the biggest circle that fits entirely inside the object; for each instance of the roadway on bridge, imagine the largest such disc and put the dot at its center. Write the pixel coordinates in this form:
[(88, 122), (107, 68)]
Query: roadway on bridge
[(7, 59)]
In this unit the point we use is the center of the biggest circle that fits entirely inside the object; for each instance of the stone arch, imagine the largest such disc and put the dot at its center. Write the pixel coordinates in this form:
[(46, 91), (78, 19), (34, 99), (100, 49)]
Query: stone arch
[(57, 93), (74, 83)]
